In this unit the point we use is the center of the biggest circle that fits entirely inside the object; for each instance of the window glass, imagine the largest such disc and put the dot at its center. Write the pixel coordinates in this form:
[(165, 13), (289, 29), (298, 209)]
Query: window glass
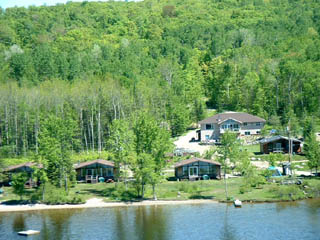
[(109, 172), (204, 169), (213, 169), (247, 133), (208, 126), (257, 124), (185, 170)]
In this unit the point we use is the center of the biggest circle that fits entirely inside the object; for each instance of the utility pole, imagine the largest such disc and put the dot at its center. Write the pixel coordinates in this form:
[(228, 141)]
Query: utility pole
[(290, 143)]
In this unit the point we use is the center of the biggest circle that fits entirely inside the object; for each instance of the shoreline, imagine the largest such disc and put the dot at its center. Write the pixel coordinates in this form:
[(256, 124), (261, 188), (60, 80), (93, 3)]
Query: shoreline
[(97, 203)]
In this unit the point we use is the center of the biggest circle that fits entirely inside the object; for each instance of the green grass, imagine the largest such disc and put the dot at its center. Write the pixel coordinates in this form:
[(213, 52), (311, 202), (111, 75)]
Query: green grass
[(211, 189), (251, 148)]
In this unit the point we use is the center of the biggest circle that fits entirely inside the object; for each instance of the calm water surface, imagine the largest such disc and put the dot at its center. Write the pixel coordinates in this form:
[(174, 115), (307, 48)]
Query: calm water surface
[(299, 220)]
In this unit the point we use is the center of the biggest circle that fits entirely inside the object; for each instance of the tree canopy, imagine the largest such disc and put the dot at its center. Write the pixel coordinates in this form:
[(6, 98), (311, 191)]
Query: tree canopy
[(108, 60)]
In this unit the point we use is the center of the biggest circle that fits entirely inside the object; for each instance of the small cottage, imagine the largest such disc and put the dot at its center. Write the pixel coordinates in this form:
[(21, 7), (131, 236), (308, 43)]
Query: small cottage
[(196, 168), (27, 168), (279, 144), (91, 171)]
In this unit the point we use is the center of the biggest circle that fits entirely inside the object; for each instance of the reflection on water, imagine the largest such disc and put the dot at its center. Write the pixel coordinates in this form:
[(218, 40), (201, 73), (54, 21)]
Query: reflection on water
[(283, 205), (228, 232), (299, 220), (151, 223), (18, 222)]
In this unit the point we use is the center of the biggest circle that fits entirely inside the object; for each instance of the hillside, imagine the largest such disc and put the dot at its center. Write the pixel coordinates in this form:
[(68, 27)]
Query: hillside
[(97, 62)]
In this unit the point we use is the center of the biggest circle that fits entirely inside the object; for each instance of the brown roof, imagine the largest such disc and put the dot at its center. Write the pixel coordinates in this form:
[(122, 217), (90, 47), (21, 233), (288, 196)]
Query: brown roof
[(195, 159), (98, 161), (23, 165), (238, 116)]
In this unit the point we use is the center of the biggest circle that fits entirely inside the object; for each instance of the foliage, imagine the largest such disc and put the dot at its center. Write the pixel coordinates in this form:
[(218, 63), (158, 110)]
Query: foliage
[(120, 143), (151, 143), (291, 192), (121, 193), (312, 151), (229, 151), (273, 158), (54, 195), (18, 182), (168, 59), (55, 145)]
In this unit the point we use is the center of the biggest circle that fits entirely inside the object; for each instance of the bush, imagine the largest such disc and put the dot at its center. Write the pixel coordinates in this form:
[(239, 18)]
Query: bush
[(291, 192), (18, 182), (120, 193), (267, 173), (244, 188), (313, 190), (255, 181), (54, 195)]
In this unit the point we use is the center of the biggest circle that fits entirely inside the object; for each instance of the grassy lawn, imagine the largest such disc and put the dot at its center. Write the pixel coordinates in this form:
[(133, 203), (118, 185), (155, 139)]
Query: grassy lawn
[(251, 148), (210, 189)]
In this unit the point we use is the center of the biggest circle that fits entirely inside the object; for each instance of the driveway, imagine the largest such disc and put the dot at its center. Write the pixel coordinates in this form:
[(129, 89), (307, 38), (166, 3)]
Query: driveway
[(183, 142)]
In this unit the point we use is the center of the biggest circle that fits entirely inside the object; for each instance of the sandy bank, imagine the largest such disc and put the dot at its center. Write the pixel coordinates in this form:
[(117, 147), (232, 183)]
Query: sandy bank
[(96, 203)]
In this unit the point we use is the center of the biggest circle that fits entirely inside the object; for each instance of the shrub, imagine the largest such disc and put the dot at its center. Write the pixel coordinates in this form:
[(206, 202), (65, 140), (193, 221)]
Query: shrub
[(55, 195), (120, 193), (254, 181), (291, 192), (244, 188), (18, 182)]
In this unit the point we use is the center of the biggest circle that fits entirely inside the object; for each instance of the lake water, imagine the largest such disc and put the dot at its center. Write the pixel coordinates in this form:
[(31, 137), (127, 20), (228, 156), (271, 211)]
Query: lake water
[(298, 220)]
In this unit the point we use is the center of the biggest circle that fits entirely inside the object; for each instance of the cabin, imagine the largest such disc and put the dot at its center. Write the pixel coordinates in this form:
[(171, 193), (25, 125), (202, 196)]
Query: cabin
[(91, 171), (279, 144), (196, 168), (27, 168), (243, 124)]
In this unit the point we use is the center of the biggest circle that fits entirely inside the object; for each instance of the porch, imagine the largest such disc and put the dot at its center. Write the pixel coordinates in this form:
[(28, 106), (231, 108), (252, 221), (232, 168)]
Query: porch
[(95, 171), (197, 169)]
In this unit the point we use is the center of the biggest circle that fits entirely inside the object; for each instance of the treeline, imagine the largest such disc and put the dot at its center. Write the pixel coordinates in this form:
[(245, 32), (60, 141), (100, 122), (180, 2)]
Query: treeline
[(104, 61), (92, 105)]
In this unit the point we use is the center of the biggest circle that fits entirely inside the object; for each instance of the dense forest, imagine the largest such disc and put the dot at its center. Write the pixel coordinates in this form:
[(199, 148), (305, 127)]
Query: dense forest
[(97, 62)]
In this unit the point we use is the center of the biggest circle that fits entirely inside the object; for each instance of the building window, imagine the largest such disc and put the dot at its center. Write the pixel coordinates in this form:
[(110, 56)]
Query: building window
[(245, 124), (258, 124), (185, 170), (208, 126), (109, 172), (258, 132), (204, 170), (247, 133)]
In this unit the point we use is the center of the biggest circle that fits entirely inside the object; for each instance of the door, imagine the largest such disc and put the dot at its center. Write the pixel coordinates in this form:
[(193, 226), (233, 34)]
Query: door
[(90, 172), (193, 171)]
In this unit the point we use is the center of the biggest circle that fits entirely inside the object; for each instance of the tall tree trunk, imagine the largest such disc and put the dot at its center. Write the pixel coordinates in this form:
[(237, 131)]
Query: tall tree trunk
[(142, 190), (16, 129), (84, 131), (81, 129), (66, 181), (225, 182), (154, 192), (7, 124), (92, 130), (99, 129), (36, 132)]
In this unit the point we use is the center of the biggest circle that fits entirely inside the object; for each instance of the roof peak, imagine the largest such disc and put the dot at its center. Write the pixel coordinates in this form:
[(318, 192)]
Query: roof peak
[(238, 116)]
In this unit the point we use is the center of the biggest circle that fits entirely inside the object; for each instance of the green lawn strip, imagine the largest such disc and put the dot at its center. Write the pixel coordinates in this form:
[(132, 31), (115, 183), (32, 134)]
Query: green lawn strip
[(211, 189)]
